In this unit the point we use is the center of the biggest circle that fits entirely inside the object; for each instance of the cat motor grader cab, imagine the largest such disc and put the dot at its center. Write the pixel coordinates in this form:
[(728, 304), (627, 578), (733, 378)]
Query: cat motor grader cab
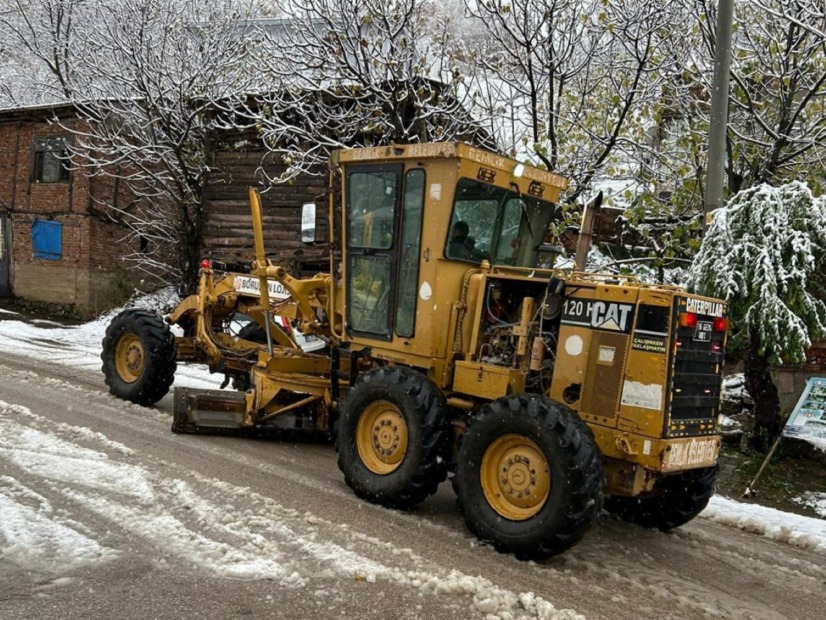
[(452, 345)]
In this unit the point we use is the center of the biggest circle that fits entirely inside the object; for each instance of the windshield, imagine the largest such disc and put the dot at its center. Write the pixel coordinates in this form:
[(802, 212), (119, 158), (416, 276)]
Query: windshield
[(495, 224)]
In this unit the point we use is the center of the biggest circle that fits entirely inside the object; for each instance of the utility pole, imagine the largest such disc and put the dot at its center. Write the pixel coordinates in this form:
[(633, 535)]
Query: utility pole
[(719, 110)]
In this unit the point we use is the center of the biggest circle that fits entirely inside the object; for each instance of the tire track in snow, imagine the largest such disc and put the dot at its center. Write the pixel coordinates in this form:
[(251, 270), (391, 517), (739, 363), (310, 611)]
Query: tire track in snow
[(756, 560), (33, 537), (262, 540)]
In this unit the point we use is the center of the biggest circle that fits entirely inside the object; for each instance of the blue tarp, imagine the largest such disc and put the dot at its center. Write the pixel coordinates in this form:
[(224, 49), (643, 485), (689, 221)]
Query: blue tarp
[(47, 239)]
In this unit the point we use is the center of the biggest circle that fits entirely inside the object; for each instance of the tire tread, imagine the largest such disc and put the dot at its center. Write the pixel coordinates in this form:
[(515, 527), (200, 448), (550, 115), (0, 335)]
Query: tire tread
[(160, 356), (584, 468)]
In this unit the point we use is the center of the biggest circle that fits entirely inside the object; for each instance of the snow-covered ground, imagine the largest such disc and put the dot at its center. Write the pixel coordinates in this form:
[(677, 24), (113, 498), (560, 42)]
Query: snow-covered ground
[(197, 523), (80, 347)]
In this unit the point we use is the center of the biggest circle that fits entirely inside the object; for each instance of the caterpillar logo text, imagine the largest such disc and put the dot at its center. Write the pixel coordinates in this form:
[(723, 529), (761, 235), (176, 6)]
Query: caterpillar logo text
[(702, 306), (598, 314)]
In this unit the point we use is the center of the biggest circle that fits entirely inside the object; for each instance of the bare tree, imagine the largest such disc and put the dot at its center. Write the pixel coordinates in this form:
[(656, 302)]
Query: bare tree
[(777, 115), (38, 36), (575, 80), (145, 87), (777, 125), (355, 72)]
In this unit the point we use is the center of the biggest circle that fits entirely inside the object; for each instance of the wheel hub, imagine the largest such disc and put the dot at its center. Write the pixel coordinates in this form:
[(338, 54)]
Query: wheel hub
[(129, 358), (381, 437), (134, 358), (518, 478), (515, 477)]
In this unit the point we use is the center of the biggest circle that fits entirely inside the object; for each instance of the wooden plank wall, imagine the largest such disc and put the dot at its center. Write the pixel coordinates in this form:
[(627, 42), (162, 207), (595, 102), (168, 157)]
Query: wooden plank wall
[(235, 167)]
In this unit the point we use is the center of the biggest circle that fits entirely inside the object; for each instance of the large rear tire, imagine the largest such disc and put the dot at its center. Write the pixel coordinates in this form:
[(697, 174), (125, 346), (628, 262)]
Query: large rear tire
[(529, 476), (393, 437), (138, 357), (679, 498)]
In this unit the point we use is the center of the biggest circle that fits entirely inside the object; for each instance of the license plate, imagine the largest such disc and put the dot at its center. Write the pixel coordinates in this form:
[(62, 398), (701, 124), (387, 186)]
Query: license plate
[(703, 331), (697, 452)]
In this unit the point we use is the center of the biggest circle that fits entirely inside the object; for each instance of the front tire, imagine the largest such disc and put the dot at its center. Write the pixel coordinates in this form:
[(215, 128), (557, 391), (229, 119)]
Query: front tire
[(393, 437), (679, 498), (529, 476), (138, 357)]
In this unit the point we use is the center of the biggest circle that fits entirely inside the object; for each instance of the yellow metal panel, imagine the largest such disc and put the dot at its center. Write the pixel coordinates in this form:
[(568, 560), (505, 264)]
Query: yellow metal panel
[(603, 378), (656, 454), (571, 363), (486, 381), (646, 377), (282, 362)]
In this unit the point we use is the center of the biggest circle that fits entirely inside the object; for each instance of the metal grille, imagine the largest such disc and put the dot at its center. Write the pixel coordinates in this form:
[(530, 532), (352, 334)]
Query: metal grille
[(603, 381), (695, 392)]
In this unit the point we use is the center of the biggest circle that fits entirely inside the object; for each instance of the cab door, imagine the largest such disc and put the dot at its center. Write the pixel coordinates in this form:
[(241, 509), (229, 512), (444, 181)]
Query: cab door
[(372, 207)]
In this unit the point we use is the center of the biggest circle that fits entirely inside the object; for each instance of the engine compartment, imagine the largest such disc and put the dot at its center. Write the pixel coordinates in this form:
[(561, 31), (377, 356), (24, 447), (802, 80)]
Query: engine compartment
[(519, 326)]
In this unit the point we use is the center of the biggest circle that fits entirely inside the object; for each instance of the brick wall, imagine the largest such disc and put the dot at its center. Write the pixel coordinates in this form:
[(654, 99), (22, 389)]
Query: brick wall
[(87, 273), (90, 275)]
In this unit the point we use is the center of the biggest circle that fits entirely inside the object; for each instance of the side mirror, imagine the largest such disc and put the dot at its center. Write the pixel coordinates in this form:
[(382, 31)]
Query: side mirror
[(308, 222)]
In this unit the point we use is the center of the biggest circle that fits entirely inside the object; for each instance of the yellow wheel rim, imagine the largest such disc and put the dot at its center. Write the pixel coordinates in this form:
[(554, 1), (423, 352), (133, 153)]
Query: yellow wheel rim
[(381, 437), (129, 358), (515, 476)]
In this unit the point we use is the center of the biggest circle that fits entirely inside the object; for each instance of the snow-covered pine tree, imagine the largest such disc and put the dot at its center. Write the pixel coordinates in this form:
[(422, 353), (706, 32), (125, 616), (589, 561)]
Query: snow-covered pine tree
[(763, 254)]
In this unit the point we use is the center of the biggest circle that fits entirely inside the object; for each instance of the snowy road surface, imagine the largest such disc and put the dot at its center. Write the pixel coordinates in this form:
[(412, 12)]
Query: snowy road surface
[(105, 513)]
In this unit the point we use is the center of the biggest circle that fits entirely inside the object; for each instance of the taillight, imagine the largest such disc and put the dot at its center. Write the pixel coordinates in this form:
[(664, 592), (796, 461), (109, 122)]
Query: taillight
[(687, 319), (720, 324)]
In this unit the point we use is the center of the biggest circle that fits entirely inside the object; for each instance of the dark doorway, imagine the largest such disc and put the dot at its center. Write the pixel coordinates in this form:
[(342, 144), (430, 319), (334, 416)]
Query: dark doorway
[(5, 256)]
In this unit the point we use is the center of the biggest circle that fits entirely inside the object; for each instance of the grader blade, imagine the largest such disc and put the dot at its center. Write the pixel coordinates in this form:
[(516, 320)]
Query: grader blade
[(208, 411)]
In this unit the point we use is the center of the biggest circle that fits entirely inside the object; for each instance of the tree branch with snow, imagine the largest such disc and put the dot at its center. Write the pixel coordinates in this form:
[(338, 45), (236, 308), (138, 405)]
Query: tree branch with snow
[(764, 254)]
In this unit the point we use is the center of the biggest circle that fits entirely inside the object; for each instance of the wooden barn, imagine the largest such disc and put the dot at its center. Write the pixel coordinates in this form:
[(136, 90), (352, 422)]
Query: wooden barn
[(236, 161)]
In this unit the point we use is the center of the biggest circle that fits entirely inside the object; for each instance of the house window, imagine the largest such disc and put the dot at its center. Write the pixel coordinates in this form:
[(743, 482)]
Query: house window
[(50, 160), (47, 239)]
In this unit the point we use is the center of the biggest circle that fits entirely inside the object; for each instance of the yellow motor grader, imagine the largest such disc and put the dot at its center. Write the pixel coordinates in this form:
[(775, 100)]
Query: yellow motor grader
[(452, 345)]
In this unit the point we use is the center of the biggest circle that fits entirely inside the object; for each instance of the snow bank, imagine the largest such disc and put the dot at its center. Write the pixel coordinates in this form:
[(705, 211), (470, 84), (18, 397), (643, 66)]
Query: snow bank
[(815, 501), (797, 530)]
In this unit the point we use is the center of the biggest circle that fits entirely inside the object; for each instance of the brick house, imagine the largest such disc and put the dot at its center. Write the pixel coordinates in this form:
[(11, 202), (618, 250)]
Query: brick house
[(58, 245), (55, 246)]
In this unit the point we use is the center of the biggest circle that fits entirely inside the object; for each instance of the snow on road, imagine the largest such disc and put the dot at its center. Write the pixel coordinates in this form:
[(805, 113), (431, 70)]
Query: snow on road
[(79, 346), (200, 528), (198, 524)]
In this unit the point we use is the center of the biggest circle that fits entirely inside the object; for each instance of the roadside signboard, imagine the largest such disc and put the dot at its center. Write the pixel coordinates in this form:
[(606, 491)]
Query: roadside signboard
[(808, 419)]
